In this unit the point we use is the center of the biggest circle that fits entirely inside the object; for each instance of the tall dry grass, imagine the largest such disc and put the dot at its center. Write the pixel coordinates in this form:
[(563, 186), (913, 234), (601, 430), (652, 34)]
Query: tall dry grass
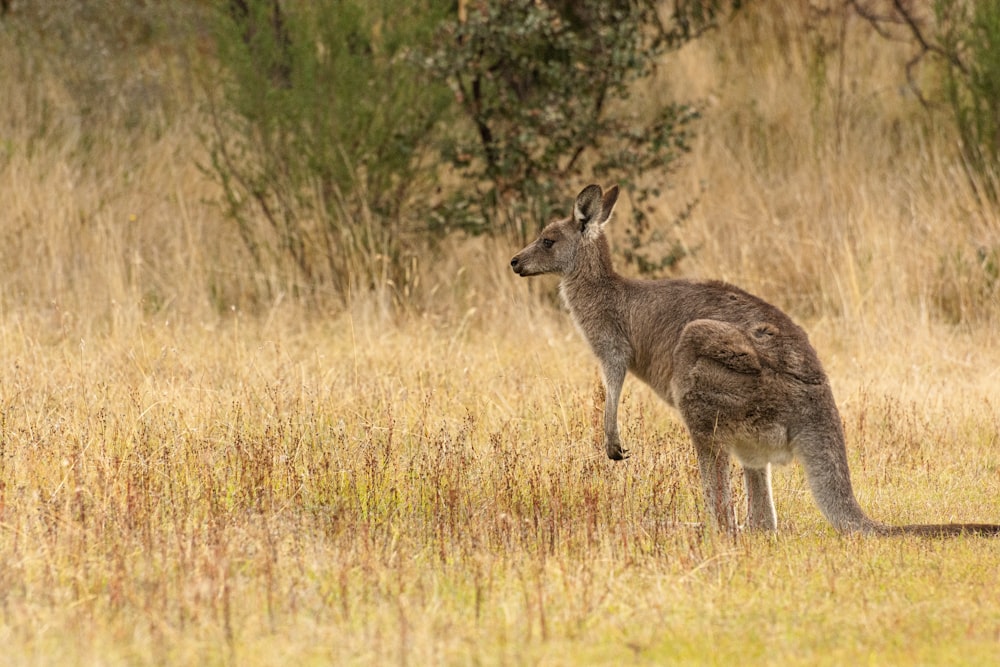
[(108, 216), (188, 476), (828, 188)]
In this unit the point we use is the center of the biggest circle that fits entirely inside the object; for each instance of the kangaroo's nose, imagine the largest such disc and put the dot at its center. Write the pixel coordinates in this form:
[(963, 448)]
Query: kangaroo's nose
[(513, 263)]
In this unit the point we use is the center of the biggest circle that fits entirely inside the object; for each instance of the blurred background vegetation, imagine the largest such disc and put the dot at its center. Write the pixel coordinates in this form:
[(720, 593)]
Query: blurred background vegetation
[(199, 157)]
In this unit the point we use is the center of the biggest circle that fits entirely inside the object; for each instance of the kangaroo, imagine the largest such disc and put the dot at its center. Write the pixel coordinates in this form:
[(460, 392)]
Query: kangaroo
[(742, 374)]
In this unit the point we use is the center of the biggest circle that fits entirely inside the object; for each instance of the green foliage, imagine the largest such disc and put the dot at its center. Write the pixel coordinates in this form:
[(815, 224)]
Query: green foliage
[(970, 39), (548, 90), (328, 113), (317, 136)]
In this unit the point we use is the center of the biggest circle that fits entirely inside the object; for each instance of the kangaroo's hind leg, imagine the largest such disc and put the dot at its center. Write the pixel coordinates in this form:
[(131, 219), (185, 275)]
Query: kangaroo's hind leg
[(713, 464), (761, 514), (717, 379)]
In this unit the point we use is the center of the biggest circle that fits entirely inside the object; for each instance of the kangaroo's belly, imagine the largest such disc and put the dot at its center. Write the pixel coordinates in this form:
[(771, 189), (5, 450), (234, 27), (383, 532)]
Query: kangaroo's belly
[(758, 446)]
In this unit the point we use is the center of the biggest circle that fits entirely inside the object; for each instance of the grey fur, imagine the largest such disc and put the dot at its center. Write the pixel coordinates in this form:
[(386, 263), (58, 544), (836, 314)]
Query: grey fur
[(742, 374)]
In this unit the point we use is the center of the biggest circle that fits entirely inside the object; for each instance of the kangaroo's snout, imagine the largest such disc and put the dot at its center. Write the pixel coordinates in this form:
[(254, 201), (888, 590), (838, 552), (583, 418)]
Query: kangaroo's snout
[(515, 264)]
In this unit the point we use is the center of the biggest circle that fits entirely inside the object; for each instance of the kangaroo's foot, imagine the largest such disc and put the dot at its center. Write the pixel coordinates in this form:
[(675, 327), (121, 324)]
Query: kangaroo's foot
[(615, 450)]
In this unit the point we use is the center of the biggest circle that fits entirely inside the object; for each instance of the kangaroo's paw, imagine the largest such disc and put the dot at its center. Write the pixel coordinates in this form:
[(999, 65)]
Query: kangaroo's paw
[(616, 452)]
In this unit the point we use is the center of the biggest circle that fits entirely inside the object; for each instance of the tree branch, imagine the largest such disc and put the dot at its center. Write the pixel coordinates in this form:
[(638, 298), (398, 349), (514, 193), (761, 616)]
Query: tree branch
[(902, 15)]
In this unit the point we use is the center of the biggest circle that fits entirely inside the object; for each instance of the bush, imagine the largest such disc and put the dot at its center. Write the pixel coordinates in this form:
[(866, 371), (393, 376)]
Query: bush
[(970, 36), (318, 133), (547, 89)]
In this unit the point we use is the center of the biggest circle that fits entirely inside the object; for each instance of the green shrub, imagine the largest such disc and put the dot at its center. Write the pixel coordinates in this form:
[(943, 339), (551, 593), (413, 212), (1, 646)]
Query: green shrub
[(970, 38), (547, 88), (318, 132)]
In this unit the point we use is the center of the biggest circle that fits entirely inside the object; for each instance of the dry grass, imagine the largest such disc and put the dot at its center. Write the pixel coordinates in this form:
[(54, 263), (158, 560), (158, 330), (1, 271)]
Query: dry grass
[(335, 493), (183, 481)]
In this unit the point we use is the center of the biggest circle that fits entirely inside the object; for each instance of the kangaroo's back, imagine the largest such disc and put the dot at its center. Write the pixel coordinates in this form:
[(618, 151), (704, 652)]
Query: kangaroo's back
[(658, 311)]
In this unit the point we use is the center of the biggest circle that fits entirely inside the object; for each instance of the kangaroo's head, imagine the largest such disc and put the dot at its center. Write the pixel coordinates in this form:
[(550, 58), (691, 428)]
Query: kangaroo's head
[(557, 248)]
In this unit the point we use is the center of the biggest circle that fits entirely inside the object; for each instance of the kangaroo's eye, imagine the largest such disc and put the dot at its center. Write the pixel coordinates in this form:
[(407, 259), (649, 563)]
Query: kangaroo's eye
[(547, 243)]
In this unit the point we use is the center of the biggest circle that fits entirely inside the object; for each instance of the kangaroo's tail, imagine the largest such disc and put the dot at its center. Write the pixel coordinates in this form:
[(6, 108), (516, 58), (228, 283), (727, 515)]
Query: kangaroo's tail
[(942, 529), (825, 463)]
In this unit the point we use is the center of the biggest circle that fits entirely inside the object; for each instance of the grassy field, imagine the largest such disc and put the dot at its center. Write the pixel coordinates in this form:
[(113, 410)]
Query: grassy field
[(188, 476), (341, 492)]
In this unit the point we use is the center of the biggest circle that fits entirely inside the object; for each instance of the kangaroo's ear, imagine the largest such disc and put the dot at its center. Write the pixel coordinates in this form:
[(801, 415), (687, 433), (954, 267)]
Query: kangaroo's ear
[(608, 203), (588, 206), (593, 208)]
